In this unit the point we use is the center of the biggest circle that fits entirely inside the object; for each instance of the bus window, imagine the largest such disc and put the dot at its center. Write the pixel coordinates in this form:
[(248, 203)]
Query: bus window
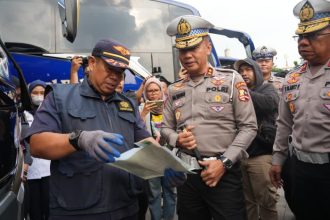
[(29, 21), (139, 24)]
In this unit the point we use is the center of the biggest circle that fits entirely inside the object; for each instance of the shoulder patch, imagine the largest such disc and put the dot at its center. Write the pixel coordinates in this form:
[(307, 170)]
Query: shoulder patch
[(243, 94), (240, 84)]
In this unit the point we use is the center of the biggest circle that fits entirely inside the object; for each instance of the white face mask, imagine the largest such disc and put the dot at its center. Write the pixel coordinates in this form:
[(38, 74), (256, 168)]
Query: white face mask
[(37, 99)]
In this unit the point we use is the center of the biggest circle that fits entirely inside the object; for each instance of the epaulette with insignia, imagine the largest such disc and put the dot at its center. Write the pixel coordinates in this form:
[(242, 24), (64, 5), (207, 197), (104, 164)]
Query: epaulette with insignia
[(176, 81), (179, 84), (224, 70)]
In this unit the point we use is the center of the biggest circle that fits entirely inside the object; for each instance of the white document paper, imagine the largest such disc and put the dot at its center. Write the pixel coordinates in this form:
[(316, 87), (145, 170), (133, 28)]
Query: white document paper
[(150, 160)]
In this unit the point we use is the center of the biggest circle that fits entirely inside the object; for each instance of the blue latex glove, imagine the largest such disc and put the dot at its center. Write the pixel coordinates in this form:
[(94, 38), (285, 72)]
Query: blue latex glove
[(174, 178), (99, 144)]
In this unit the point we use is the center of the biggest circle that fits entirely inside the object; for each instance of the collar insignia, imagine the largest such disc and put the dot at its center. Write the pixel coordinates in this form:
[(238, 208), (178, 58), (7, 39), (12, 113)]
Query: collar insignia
[(209, 72), (303, 68)]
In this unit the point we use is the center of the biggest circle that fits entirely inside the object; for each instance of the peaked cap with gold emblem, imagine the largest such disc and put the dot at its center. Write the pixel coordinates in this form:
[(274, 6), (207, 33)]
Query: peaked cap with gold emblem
[(112, 52), (189, 30), (314, 15), (264, 52)]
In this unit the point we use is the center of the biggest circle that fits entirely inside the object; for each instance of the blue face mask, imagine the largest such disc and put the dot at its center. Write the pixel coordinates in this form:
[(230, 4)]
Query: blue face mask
[(37, 99)]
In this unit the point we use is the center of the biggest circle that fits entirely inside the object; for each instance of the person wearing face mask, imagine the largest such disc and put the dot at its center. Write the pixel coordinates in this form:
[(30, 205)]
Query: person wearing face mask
[(38, 172)]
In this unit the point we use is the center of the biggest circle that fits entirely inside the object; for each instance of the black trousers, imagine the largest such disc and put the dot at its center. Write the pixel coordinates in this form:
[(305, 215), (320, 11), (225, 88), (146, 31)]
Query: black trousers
[(143, 201), (198, 201), (39, 198), (308, 190), (102, 216)]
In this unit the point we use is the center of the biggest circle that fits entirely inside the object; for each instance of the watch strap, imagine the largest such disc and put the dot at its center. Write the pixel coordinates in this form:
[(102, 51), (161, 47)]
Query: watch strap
[(226, 162), (73, 139)]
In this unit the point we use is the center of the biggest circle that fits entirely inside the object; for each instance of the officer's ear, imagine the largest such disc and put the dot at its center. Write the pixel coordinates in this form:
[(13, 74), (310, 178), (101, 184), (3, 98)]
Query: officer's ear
[(91, 62), (208, 44)]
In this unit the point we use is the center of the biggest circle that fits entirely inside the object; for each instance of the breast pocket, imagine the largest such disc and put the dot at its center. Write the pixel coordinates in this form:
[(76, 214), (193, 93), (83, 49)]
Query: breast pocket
[(217, 104), (325, 101), (125, 125), (178, 103), (80, 116)]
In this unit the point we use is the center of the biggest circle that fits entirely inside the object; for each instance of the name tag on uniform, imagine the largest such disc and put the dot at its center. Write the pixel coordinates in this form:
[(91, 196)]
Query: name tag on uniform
[(291, 87), (217, 89), (178, 96)]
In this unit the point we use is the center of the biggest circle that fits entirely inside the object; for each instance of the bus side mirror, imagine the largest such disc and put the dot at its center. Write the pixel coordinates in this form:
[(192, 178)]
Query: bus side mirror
[(69, 13)]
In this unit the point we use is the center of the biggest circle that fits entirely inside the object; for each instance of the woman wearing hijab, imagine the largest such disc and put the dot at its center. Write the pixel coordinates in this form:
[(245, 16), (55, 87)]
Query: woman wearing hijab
[(152, 114)]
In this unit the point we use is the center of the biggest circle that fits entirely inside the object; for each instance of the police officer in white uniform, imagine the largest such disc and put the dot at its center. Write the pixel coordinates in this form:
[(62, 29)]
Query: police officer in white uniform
[(304, 117), (210, 118), (264, 56)]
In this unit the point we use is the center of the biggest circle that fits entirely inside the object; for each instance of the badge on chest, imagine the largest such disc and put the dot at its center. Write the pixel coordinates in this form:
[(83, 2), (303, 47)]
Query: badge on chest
[(124, 106)]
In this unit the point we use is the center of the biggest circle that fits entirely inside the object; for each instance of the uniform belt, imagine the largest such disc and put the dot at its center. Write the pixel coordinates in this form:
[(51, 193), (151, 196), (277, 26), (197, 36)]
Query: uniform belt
[(311, 157), (191, 160)]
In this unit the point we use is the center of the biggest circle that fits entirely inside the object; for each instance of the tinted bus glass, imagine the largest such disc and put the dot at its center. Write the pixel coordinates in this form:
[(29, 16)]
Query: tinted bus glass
[(28, 21), (139, 24)]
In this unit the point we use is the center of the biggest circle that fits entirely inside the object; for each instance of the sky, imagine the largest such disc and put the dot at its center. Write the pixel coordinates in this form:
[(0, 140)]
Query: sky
[(269, 23)]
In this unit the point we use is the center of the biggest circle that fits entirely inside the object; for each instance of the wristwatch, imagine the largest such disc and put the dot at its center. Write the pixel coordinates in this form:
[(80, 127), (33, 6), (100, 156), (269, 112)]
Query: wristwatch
[(226, 162), (73, 139)]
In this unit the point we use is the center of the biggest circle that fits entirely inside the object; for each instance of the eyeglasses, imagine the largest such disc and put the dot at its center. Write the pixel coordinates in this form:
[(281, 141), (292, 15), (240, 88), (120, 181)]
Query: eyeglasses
[(309, 36), (153, 91)]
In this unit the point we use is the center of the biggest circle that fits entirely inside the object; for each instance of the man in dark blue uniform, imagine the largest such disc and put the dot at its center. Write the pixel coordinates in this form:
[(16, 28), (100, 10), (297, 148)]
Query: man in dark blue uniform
[(82, 126)]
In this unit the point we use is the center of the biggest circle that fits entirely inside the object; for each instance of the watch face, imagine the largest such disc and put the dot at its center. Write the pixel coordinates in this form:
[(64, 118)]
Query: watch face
[(226, 162)]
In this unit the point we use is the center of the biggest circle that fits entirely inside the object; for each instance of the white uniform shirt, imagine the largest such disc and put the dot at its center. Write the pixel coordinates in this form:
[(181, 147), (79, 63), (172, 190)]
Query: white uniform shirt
[(40, 167)]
